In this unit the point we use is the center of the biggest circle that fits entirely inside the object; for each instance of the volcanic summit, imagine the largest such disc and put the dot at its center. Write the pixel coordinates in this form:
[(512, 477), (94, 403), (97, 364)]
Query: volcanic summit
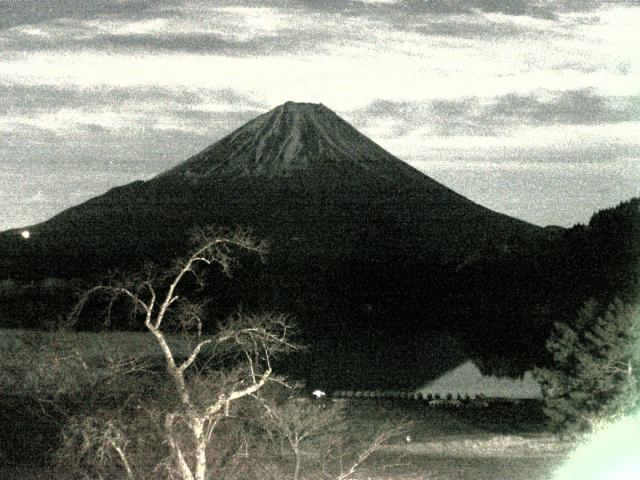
[(293, 139)]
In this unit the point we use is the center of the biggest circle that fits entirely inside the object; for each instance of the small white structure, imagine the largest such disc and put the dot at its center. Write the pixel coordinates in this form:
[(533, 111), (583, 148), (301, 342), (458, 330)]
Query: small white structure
[(25, 234), (318, 394)]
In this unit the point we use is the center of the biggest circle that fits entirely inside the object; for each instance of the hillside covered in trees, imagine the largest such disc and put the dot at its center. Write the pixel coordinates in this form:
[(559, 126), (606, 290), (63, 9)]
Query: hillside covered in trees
[(499, 305)]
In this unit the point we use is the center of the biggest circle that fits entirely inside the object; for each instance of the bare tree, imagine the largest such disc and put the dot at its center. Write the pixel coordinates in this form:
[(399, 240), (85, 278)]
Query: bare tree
[(249, 342), (298, 421), (319, 431), (348, 464)]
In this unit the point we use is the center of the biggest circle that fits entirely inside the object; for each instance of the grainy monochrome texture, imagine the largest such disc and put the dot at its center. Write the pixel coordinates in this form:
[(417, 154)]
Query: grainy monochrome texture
[(528, 107), (319, 239)]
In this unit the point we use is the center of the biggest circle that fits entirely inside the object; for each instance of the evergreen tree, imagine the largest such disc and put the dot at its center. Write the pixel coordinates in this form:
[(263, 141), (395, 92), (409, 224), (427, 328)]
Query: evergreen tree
[(595, 371)]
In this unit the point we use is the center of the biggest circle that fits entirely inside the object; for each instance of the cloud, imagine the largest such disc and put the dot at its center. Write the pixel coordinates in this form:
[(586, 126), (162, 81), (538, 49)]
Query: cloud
[(35, 12), (566, 108), (575, 115), (190, 28), (225, 46), (29, 97), (69, 111), (547, 9), (559, 144), (344, 80), (38, 197)]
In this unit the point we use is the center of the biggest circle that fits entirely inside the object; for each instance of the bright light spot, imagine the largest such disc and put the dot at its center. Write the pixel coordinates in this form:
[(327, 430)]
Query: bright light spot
[(25, 234), (611, 453), (318, 393)]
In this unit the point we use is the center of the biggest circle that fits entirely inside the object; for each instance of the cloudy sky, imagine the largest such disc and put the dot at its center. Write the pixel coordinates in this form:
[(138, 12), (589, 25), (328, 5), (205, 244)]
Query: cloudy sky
[(531, 108)]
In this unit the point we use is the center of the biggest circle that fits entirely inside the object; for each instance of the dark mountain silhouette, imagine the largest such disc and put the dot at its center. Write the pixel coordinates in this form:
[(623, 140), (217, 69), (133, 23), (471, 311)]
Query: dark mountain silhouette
[(300, 176), (364, 247)]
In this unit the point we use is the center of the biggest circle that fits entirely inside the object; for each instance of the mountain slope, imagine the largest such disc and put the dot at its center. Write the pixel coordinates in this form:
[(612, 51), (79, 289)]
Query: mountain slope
[(363, 245), (298, 175), (293, 139)]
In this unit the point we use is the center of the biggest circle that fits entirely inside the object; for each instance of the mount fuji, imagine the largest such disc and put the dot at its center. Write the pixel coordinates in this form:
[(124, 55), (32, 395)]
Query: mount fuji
[(363, 246)]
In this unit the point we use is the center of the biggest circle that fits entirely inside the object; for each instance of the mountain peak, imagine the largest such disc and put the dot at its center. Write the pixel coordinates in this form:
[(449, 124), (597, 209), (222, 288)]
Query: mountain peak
[(289, 140), (301, 107)]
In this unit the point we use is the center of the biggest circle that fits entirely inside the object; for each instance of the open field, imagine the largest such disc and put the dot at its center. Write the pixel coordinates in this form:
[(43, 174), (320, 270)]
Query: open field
[(444, 445), (500, 457), (41, 364), (499, 442), (420, 462)]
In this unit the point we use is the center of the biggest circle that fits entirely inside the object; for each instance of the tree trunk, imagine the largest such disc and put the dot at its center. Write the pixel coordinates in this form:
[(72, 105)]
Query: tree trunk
[(296, 470), (123, 459), (181, 463), (197, 426)]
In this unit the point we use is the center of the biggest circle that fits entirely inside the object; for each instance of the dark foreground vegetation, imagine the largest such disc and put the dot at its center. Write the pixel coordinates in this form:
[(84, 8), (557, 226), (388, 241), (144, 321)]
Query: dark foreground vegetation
[(193, 404), (497, 305), (53, 408), (200, 404), (196, 400), (503, 441)]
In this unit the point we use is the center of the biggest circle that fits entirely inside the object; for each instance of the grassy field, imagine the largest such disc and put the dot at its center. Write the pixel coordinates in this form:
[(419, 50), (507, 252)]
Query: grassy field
[(501, 457), (499, 442), (444, 445)]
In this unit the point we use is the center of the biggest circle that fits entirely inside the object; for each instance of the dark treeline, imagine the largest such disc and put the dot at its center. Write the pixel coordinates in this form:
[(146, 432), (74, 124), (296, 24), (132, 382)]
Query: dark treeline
[(521, 296), (375, 321)]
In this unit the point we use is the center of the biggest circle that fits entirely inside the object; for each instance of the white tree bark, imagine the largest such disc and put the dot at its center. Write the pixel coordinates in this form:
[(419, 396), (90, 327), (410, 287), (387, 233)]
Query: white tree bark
[(256, 338)]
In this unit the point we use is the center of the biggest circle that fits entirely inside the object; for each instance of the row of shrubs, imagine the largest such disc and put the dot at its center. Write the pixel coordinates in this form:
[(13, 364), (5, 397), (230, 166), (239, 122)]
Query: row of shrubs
[(435, 398)]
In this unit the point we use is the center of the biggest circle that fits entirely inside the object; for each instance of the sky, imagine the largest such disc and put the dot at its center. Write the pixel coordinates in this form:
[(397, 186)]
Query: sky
[(529, 107)]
